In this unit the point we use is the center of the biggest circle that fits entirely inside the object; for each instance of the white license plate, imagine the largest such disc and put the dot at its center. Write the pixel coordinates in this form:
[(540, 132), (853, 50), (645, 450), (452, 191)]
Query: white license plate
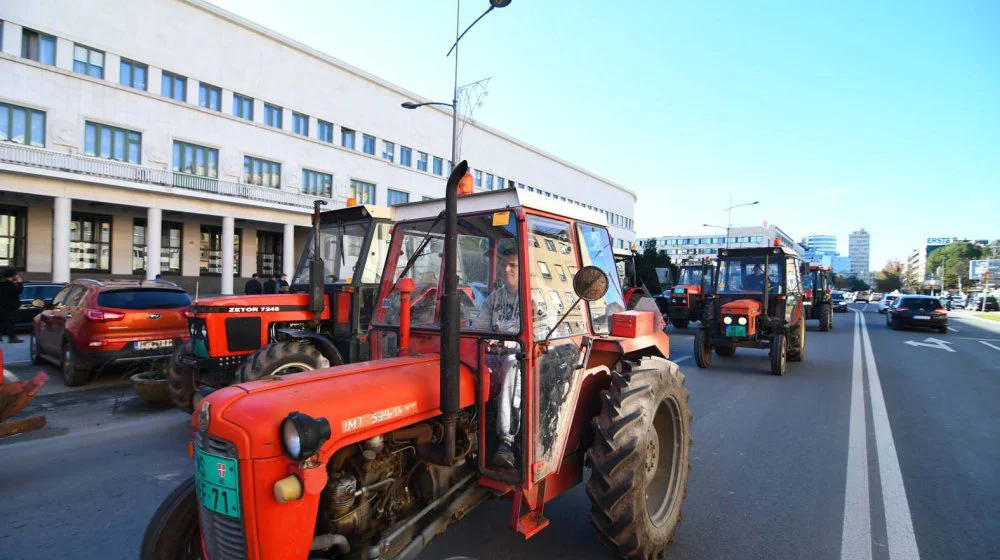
[(153, 344), (922, 317)]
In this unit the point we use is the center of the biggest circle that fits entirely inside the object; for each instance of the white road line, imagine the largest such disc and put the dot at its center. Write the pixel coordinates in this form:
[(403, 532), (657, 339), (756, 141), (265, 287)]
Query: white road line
[(681, 359), (990, 345), (953, 329), (856, 541), (898, 521)]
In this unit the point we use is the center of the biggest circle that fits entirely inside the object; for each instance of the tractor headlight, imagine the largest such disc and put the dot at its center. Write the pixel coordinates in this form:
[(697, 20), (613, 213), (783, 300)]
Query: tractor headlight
[(742, 320), (302, 435), (727, 320), (204, 331)]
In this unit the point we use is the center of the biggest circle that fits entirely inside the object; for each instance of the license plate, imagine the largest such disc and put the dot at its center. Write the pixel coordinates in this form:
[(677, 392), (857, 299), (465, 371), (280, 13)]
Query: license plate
[(736, 330), (217, 483), (153, 344), (922, 317)]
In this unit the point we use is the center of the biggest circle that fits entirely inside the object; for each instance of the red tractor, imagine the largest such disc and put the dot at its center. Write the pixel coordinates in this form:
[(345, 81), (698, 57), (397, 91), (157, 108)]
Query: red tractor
[(817, 295), (324, 326), (634, 288), (459, 403), (687, 297)]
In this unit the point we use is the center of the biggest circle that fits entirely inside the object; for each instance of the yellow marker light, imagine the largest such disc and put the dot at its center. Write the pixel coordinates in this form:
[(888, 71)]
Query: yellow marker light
[(288, 489), (352, 202), (465, 184)]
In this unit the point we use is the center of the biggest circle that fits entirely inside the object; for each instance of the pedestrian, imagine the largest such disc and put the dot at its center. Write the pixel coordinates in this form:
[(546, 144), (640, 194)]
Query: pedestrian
[(158, 277), (283, 284), (253, 286), (10, 300), (271, 285)]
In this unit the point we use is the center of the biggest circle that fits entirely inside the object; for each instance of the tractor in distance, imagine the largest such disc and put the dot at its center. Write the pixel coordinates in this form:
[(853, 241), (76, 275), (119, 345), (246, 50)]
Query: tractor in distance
[(756, 303), (688, 295), (817, 295), (458, 404), (351, 245), (632, 285)]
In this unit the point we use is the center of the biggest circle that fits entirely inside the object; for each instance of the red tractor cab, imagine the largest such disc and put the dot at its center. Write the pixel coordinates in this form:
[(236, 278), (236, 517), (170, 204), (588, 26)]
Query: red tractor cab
[(634, 288), (817, 295), (461, 401), (688, 295)]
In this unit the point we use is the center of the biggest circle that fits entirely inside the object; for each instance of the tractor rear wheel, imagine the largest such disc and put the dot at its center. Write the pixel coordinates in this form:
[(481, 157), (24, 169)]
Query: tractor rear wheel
[(825, 318), (725, 351), (702, 349), (779, 353), (798, 350), (680, 323), (173, 532), (640, 459), (180, 377), (281, 358)]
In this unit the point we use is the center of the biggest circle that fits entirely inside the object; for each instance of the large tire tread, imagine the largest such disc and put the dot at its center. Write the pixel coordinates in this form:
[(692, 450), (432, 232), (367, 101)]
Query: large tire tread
[(702, 349), (825, 318), (168, 535), (181, 378), (270, 358)]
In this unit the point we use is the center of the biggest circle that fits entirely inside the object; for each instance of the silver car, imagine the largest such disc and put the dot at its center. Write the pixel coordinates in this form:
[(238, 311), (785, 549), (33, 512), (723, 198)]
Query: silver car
[(886, 302)]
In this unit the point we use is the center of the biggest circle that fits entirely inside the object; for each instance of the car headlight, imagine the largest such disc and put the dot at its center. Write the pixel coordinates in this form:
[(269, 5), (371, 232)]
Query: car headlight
[(204, 331), (302, 435), (727, 320), (742, 320)]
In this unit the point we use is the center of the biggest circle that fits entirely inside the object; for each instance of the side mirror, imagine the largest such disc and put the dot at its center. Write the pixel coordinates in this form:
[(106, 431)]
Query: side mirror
[(590, 283)]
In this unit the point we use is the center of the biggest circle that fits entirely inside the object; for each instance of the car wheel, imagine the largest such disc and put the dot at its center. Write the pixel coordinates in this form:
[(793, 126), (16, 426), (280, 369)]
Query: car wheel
[(73, 374)]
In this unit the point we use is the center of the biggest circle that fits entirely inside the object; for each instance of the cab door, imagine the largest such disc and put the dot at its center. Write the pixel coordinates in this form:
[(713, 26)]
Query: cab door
[(793, 290)]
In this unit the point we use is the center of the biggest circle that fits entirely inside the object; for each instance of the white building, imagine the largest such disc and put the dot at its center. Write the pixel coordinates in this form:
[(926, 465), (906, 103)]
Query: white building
[(171, 136), (859, 249), (680, 247)]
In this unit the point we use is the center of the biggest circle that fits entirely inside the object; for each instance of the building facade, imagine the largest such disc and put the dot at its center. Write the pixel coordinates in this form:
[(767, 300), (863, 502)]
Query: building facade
[(172, 137), (680, 247), (859, 251)]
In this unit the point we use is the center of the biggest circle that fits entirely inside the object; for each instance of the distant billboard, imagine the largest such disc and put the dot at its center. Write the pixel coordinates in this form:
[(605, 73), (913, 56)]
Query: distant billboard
[(939, 240), (988, 269)]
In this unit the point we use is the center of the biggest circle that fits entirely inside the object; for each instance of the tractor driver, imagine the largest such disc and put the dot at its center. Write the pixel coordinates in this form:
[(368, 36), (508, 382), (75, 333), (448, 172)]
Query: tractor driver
[(755, 283), (501, 312)]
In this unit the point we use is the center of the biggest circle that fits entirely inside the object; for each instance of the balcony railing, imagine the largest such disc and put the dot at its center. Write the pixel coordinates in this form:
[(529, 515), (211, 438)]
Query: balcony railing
[(47, 159)]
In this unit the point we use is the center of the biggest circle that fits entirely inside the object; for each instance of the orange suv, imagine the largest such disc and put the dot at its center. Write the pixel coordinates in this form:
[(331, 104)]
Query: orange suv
[(91, 324)]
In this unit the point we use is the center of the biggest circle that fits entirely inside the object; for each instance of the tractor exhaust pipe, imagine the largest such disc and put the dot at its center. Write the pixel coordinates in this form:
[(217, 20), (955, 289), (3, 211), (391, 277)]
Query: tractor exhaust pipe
[(450, 317), (316, 269)]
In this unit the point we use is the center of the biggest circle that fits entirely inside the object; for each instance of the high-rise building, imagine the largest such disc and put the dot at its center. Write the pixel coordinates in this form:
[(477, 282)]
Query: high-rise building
[(859, 250), (823, 244)]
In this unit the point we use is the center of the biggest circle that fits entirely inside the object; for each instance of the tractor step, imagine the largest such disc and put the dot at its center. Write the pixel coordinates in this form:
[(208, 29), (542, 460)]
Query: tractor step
[(531, 523)]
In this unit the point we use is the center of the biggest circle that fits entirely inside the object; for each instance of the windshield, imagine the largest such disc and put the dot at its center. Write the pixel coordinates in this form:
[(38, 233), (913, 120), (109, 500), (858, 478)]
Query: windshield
[(807, 281), (690, 277), (488, 273), (597, 244), (342, 245), (746, 276)]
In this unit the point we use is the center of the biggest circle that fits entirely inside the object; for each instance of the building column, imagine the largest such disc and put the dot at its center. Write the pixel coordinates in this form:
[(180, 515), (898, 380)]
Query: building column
[(288, 259), (228, 236), (154, 230), (61, 215)]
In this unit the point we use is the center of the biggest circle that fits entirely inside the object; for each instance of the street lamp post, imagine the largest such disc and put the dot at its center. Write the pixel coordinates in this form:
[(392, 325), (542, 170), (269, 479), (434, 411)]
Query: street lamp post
[(729, 218)]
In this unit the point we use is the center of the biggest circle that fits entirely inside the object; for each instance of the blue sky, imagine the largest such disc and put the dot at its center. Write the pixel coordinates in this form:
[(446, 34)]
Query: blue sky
[(833, 116)]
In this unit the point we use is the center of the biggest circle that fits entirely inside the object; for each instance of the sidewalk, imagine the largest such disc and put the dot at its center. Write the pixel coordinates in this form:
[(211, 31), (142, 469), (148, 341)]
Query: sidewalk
[(969, 317)]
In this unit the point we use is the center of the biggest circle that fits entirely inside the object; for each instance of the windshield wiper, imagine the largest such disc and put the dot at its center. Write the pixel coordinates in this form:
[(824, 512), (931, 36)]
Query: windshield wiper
[(420, 248)]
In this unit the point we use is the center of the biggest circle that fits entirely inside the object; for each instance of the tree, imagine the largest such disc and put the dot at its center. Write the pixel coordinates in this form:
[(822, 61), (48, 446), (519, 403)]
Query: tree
[(890, 278), (856, 284), (646, 264), (954, 258), (841, 282)]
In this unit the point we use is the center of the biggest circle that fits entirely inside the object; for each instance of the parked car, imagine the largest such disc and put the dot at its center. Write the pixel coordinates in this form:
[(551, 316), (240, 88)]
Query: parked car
[(991, 304), (32, 293), (839, 302), (90, 325), (884, 303), (918, 311)]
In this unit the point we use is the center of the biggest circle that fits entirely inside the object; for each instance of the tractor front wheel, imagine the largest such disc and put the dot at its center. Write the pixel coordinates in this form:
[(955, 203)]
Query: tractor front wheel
[(281, 358), (180, 377), (825, 318), (702, 349), (779, 353), (798, 351), (173, 532), (640, 459), (680, 323)]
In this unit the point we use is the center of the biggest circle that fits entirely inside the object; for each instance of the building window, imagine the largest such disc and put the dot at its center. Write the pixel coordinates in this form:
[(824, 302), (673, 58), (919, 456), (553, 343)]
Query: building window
[(300, 124), (196, 160), (170, 247), (550, 245), (210, 260), (544, 269), (269, 253), (261, 172), (438, 166), (38, 46), (210, 97), (405, 156), (22, 125), (242, 107), (489, 182), (398, 197), (421, 161), (368, 144), (272, 115), (324, 131), (500, 181), (90, 243), (316, 183), (88, 61), (388, 150), (13, 235), (561, 272), (477, 178), (173, 86), (133, 74), (100, 140), (347, 138), (362, 192)]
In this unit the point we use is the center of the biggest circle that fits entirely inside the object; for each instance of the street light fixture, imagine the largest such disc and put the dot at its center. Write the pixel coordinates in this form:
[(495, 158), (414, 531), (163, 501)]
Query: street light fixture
[(729, 219)]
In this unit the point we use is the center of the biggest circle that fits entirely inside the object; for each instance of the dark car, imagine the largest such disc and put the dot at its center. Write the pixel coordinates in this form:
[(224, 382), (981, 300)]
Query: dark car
[(839, 302), (918, 311), (34, 291), (90, 325), (991, 304)]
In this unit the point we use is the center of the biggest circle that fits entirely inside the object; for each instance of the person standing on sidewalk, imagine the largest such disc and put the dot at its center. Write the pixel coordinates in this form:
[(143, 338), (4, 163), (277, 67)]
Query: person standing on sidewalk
[(10, 300)]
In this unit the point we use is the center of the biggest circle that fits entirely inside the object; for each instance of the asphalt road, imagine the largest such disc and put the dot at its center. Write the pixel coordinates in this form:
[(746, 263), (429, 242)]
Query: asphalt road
[(870, 448)]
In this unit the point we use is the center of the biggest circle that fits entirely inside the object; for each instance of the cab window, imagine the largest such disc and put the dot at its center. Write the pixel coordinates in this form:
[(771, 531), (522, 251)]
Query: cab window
[(554, 252), (596, 251)]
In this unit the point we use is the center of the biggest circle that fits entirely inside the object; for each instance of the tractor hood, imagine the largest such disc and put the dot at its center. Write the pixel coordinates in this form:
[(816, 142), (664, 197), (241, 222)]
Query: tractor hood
[(359, 400), (251, 304), (745, 307)]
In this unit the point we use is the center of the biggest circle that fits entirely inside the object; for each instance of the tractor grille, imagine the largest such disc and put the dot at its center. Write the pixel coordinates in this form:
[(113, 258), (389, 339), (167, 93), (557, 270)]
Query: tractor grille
[(224, 538)]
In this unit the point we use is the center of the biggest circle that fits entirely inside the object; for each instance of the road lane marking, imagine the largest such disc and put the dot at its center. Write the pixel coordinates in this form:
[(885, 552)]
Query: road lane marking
[(681, 359), (953, 329), (856, 540), (898, 520), (990, 345), (931, 342)]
